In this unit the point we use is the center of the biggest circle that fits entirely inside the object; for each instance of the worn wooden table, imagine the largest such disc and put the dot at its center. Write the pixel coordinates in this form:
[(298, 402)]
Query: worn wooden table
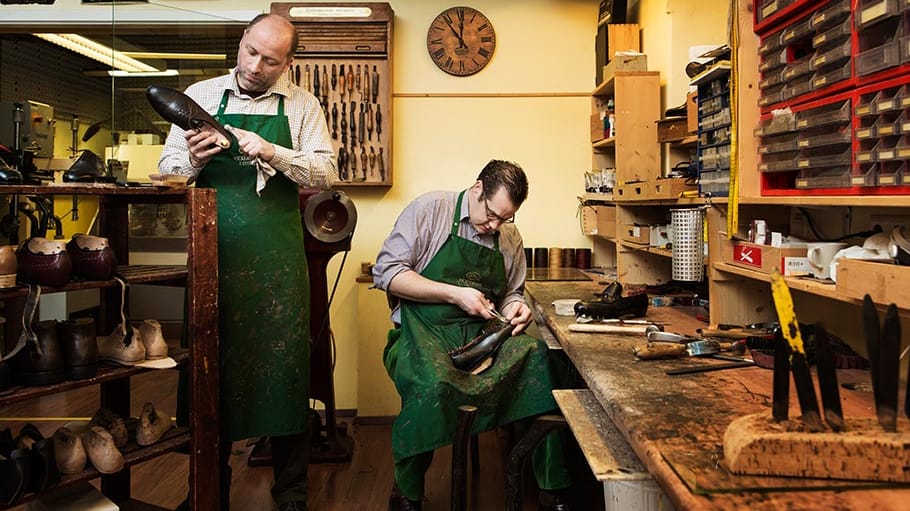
[(676, 424)]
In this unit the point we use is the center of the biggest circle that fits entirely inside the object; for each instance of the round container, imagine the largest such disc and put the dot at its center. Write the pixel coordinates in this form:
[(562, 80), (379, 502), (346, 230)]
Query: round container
[(688, 262), (529, 257), (541, 256), (565, 306), (583, 258), (555, 257), (568, 258)]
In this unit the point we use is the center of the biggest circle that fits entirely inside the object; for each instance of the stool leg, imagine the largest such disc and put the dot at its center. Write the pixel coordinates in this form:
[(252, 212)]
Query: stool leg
[(463, 421), (475, 455), (539, 429)]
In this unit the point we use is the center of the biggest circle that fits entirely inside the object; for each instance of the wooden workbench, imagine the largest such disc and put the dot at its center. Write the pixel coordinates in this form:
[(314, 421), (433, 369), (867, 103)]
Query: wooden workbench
[(676, 423)]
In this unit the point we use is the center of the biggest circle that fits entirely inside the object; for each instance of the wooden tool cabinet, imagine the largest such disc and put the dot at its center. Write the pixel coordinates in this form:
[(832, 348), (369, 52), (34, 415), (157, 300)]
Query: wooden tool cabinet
[(199, 362)]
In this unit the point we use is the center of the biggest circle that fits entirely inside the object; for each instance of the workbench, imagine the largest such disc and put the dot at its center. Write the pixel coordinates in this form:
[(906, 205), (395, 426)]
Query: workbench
[(676, 424)]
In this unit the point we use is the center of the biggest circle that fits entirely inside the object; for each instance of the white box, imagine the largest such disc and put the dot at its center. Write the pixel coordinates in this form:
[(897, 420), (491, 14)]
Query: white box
[(635, 495)]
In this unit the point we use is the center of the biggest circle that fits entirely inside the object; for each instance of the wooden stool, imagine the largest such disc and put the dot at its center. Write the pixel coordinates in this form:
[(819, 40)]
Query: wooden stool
[(541, 426)]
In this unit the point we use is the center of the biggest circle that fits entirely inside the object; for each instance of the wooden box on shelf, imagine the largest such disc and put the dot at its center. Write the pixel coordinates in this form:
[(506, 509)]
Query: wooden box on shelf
[(764, 258), (632, 191), (885, 283), (598, 132), (640, 234), (599, 221), (669, 188), (627, 61), (673, 129)]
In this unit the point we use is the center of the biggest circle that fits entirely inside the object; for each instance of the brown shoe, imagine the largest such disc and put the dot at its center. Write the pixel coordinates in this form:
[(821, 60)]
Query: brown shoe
[(102, 452), (68, 451), (78, 341), (113, 424), (150, 334), (44, 262), (92, 257), (153, 424)]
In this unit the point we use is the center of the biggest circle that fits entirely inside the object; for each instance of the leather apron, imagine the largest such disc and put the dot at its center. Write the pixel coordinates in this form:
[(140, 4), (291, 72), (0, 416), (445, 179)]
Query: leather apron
[(263, 289), (517, 385)]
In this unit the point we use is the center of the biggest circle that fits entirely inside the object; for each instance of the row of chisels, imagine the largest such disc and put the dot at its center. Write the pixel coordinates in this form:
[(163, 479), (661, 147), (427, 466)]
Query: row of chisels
[(352, 96), (883, 347)]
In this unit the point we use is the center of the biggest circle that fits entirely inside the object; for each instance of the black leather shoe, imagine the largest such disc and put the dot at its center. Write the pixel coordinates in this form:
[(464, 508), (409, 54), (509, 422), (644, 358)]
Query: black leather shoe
[(634, 306), (484, 345), (86, 169), (9, 175), (294, 505), (42, 464), (398, 502), (178, 108), (554, 500)]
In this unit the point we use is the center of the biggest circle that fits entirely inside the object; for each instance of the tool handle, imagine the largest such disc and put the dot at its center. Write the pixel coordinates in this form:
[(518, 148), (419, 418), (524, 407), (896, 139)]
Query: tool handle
[(608, 329)]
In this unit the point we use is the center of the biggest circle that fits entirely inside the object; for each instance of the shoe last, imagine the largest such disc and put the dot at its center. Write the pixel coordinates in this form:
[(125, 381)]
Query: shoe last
[(92, 257), (69, 452), (44, 262), (113, 424), (121, 347), (102, 452), (8, 266), (150, 334), (153, 424)]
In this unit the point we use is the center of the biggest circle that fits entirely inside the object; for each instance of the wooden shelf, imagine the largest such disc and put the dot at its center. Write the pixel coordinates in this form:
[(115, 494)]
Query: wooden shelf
[(832, 200), (806, 285), (604, 143), (134, 274), (645, 248)]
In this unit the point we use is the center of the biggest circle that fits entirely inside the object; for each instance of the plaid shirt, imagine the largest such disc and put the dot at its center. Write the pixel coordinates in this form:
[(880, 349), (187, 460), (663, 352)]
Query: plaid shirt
[(310, 162)]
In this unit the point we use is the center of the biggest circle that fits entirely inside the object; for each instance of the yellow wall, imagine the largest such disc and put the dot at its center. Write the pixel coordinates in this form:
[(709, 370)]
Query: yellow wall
[(529, 105)]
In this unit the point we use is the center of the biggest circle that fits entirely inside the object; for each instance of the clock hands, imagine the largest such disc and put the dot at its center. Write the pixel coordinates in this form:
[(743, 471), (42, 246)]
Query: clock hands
[(461, 43)]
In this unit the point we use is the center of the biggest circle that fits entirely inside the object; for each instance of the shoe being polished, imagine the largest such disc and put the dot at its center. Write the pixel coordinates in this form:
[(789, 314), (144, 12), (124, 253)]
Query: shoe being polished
[(178, 108), (92, 257), (44, 262), (484, 345)]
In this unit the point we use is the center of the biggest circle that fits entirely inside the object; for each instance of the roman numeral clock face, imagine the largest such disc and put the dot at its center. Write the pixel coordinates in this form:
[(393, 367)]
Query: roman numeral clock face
[(461, 41)]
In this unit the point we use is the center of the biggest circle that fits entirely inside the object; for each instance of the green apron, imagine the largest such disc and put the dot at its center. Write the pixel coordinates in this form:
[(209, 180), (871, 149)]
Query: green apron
[(263, 289), (516, 386)]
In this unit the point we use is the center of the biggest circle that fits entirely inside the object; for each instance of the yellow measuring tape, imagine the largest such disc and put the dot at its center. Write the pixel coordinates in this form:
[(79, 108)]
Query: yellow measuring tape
[(733, 194), (783, 303)]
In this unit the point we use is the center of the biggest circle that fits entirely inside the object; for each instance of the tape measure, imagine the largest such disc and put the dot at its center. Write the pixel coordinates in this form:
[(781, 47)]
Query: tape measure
[(783, 303), (733, 194)]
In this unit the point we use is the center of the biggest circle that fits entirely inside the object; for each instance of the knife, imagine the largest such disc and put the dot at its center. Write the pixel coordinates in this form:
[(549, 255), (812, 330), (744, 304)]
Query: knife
[(888, 370), (827, 380), (805, 390), (873, 334), (780, 401)]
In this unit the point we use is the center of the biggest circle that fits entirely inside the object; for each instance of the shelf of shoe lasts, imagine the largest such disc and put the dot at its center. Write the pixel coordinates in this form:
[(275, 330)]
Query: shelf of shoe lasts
[(162, 275), (199, 362)]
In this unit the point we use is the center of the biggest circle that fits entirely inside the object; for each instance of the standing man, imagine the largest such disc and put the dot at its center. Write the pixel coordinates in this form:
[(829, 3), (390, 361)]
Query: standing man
[(281, 143), (450, 259)]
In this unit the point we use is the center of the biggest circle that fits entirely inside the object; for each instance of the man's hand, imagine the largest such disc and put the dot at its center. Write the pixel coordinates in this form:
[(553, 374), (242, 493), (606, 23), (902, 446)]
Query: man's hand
[(252, 144), (202, 144), (472, 301), (519, 315)]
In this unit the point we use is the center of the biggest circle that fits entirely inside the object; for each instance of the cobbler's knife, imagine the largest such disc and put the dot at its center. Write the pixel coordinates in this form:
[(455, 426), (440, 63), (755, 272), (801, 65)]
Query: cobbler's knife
[(827, 380), (888, 370)]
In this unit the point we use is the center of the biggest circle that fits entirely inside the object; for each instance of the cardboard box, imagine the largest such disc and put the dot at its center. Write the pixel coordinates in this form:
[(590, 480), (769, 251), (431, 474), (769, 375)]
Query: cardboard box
[(599, 221), (790, 261), (640, 234)]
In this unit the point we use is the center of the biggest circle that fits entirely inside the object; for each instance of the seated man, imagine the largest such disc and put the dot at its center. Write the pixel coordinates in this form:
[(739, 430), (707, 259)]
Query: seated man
[(450, 259)]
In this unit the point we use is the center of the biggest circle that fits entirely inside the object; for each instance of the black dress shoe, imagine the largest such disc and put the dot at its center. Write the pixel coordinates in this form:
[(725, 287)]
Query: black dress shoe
[(178, 108), (88, 168), (398, 502), (484, 345)]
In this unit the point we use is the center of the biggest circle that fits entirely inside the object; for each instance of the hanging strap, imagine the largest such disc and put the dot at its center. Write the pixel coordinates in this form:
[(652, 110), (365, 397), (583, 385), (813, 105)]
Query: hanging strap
[(28, 314)]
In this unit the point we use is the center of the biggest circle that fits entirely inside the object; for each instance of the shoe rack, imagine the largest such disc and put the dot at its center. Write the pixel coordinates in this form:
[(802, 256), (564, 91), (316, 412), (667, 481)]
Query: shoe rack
[(345, 59), (198, 362)]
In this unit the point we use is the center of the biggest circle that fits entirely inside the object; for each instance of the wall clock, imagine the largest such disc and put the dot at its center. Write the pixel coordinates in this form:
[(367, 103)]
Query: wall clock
[(461, 41)]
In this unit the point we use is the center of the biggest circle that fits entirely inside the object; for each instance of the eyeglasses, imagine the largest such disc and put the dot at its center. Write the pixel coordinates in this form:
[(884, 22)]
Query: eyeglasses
[(493, 217)]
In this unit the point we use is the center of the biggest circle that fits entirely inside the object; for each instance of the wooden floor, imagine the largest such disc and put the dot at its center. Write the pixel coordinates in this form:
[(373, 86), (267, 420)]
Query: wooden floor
[(363, 484)]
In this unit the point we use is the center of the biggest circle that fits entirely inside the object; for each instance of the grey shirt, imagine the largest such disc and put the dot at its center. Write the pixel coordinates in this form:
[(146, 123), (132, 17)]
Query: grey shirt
[(420, 232)]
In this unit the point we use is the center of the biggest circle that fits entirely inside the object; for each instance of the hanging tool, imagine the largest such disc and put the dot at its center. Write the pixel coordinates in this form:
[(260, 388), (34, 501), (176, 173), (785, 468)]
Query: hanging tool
[(351, 81), (363, 162), (334, 120), (306, 78), (344, 123), (325, 83), (362, 119), (375, 85), (378, 123), (883, 345), (372, 158), (316, 81), (342, 163), (381, 161), (357, 79), (335, 77), (827, 380), (353, 124), (805, 390), (365, 93), (369, 120), (297, 75)]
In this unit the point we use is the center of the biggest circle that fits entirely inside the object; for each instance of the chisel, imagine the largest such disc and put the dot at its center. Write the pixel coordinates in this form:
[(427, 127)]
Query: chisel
[(827, 380), (873, 334), (780, 400), (805, 390)]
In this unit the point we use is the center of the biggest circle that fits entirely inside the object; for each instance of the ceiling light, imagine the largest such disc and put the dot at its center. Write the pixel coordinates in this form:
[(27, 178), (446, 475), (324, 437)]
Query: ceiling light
[(96, 51), (128, 74), (174, 56)]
